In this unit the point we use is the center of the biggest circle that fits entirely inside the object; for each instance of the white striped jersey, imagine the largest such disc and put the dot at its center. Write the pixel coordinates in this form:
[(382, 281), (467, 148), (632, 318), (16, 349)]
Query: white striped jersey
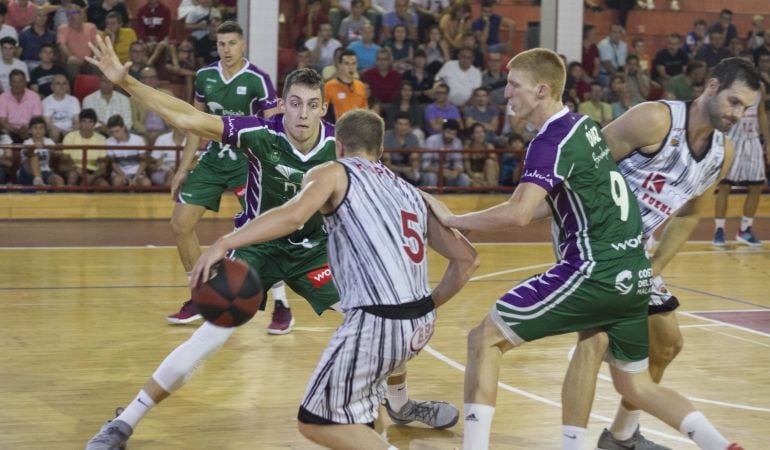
[(377, 238), (748, 125), (665, 180)]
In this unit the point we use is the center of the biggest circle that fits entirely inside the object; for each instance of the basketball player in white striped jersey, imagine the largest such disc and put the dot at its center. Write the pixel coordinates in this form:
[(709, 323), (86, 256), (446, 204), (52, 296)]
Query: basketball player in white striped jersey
[(378, 228), (671, 154)]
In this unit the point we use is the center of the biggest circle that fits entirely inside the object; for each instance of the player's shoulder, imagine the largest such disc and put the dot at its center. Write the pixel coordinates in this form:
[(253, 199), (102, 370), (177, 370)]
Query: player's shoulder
[(208, 70)]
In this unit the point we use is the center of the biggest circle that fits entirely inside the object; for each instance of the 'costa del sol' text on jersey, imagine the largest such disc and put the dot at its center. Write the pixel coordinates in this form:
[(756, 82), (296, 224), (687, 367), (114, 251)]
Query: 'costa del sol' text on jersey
[(276, 168), (665, 180), (247, 93), (598, 219), (377, 238)]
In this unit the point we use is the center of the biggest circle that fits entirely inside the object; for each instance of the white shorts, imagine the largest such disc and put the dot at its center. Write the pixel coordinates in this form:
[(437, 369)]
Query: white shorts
[(748, 166)]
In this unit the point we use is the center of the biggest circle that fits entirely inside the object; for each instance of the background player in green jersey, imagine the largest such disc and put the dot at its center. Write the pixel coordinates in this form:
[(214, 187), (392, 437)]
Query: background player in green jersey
[(230, 86), (597, 283)]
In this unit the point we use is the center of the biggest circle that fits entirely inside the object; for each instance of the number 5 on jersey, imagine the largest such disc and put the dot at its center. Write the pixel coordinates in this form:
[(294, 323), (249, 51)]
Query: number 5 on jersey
[(408, 220)]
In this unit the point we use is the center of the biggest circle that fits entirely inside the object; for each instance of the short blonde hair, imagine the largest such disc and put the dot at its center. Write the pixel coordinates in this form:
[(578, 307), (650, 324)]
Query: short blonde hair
[(543, 66), (360, 130)]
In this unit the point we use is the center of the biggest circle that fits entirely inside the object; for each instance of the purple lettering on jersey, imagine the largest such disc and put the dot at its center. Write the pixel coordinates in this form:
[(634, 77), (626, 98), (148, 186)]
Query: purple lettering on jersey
[(540, 164), (233, 125)]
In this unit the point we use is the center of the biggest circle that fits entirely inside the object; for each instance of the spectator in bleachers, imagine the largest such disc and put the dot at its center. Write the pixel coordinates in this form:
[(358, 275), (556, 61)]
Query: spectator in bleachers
[(35, 166), (181, 64), (453, 169), (153, 23), (593, 107), (344, 92), (726, 24), (322, 47), (307, 24), (680, 87), (5, 29), (482, 168), (714, 51), (437, 50), (351, 28), (763, 50), (576, 85), (638, 81), (695, 38), (121, 36), (17, 106), (429, 14), (455, 23), (670, 60), (73, 38), (302, 58), (487, 29), (32, 38), (60, 16), (96, 159), (383, 80), (440, 110), (461, 77), (494, 79), (405, 163), (21, 13), (200, 17), (756, 36), (330, 71), (420, 79), (401, 47), (163, 163), (98, 11), (510, 165), (146, 122), (401, 15), (480, 111), (206, 48), (137, 53), (621, 97), (107, 103), (128, 166), (406, 103), (737, 48), (374, 103), (590, 54), (613, 52), (366, 49), (469, 42), (639, 48), (8, 62), (60, 109)]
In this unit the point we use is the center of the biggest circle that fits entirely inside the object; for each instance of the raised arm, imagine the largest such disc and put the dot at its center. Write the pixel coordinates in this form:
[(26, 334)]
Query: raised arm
[(463, 259), (175, 112)]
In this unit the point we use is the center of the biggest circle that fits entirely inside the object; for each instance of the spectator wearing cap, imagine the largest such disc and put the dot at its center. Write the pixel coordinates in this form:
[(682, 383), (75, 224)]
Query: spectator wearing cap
[(18, 105), (73, 38), (452, 168), (440, 110), (34, 37), (8, 63), (5, 29), (99, 10), (41, 77)]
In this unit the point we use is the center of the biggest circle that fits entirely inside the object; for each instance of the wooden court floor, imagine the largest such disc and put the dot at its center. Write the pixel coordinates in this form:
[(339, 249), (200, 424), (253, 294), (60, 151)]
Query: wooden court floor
[(83, 328)]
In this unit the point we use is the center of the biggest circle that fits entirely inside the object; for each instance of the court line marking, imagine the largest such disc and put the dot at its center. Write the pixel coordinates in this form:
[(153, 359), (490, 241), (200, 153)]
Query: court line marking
[(732, 325)]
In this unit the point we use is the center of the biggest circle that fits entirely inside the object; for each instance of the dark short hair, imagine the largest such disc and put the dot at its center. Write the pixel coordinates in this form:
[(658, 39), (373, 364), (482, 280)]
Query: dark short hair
[(344, 53), (87, 114), (716, 28), (730, 70), (35, 120), (8, 40), (47, 45), (114, 15), (305, 77), (725, 11), (631, 56), (115, 121), (402, 115), (230, 26), (451, 124), (16, 73), (419, 53)]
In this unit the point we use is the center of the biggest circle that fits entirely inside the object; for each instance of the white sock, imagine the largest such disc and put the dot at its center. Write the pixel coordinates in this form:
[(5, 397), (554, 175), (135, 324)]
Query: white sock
[(279, 294), (625, 423), (719, 223), (478, 423), (572, 437), (746, 222), (137, 409), (398, 395), (698, 428)]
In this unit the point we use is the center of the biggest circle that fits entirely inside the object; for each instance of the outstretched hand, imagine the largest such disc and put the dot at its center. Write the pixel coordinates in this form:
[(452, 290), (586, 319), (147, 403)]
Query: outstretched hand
[(439, 208), (107, 60)]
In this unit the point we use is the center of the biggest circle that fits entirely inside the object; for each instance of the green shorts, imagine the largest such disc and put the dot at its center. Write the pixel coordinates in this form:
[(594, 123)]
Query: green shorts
[(305, 270), (564, 300), (211, 177)]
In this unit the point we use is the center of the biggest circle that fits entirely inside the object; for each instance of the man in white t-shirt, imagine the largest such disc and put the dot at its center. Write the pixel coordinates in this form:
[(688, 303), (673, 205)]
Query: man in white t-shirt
[(461, 77), (8, 63), (199, 17), (322, 47), (35, 166), (60, 109), (163, 162), (128, 166)]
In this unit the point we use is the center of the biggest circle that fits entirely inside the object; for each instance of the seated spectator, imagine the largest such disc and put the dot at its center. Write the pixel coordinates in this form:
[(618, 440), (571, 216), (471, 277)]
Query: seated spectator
[(639, 48), (198, 19), (511, 162), (128, 166), (352, 26), (322, 47), (429, 14), (153, 23), (163, 163), (420, 78), (5, 29), (98, 11), (107, 103), (482, 168), (365, 48), (487, 29), (621, 98), (17, 107), (736, 48), (680, 87), (73, 39), (32, 39), (461, 77), (452, 168), (404, 163), (595, 108), (121, 36), (22, 13), (406, 103), (637, 80), (8, 63), (714, 51), (206, 48), (303, 61), (383, 80), (613, 52), (96, 159), (437, 50), (307, 24), (575, 84), (440, 111), (756, 36), (344, 92), (695, 38), (725, 23), (401, 15), (184, 8), (401, 48), (455, 23), (479, 111), (137, 54), (590, 54), (670, 60), (60, 109), (41, 76), (469, 41), (146, 122), (35, 168), (494, 79)]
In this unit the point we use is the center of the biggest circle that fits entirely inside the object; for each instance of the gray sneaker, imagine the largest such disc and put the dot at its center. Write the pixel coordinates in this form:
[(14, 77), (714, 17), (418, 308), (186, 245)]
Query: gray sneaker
[(433, 413), (112, 436), (635, 442)]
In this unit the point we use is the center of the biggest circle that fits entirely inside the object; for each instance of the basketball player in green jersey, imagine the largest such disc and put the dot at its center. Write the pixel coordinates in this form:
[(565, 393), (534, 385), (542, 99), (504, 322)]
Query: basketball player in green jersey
[(230, 86)]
